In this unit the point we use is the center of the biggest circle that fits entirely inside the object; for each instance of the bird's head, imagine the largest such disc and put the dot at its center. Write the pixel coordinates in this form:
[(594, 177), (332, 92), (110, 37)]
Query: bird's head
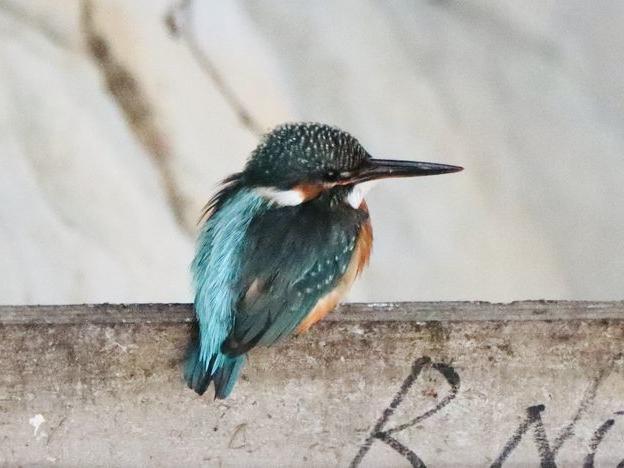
[(298, 162)]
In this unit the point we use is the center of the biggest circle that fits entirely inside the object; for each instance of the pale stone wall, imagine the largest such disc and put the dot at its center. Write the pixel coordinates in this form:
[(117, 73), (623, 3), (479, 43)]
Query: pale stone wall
[(118, 118)]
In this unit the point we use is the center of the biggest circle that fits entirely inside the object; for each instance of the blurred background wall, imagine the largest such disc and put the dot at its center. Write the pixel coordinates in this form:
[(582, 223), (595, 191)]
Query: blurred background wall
[(118, 118)]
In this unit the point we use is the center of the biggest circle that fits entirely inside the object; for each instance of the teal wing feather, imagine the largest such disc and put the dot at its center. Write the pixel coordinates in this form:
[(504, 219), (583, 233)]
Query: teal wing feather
[(216, 272), (293, 256)]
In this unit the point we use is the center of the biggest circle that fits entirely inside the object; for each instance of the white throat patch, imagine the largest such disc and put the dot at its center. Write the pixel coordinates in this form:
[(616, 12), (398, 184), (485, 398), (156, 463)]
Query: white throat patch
[(295, 197), (281, 197), (357, 193)]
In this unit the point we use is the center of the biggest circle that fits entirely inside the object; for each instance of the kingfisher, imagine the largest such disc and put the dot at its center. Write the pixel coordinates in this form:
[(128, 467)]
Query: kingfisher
[(281, 243)]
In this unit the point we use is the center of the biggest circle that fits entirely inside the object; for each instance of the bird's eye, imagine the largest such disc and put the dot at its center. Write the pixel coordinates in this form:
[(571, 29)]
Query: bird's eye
[(332, 175)]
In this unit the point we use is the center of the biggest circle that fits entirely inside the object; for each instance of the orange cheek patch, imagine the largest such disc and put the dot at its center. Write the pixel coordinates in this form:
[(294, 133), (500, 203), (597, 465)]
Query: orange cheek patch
[(309, 191)]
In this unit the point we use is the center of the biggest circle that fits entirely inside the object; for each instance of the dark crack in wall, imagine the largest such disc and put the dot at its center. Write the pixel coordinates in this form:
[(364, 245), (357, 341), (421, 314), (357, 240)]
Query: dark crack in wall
[(177, 22), (136, 109)]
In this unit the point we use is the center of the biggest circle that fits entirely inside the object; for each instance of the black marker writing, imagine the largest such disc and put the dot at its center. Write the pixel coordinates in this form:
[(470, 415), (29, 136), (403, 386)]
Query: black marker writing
[(385, 435)]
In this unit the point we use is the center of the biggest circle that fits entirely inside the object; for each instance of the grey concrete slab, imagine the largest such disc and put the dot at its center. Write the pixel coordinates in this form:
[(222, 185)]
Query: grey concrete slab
[(435, 384)]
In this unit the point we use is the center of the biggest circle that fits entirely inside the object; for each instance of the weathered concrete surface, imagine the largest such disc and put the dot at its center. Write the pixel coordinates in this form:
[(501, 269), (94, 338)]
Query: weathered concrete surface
[(101, 386)]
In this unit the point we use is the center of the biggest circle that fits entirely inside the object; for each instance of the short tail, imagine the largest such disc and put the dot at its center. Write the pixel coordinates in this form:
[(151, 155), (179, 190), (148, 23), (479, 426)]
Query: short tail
[(199, 374)]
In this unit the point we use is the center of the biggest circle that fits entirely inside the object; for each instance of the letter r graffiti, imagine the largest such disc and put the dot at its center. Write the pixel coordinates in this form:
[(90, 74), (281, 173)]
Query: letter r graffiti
[(385, 436)]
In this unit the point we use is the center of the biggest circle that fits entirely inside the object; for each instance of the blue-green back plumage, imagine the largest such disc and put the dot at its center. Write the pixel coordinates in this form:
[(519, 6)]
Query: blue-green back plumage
[(296, 255), (216, 271), (259, 270), (216, 268)]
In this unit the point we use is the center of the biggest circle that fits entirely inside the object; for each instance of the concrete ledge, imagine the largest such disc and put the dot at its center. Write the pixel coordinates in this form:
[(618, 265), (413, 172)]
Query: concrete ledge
[(435, 384), (375, 312)]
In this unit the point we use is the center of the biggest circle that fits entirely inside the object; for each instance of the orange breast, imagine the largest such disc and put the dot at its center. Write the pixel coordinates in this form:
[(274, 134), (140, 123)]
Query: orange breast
[(359, 259)]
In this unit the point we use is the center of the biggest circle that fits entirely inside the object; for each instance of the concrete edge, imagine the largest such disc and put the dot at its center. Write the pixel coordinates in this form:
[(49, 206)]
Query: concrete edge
[(76, 314)]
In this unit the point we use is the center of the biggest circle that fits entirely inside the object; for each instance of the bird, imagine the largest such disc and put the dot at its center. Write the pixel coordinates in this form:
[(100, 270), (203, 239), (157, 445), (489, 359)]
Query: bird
[(281, 243)]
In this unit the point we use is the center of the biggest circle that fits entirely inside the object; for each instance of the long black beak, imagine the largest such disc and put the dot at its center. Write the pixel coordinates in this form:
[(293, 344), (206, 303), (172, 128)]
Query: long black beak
[(384, 168)]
